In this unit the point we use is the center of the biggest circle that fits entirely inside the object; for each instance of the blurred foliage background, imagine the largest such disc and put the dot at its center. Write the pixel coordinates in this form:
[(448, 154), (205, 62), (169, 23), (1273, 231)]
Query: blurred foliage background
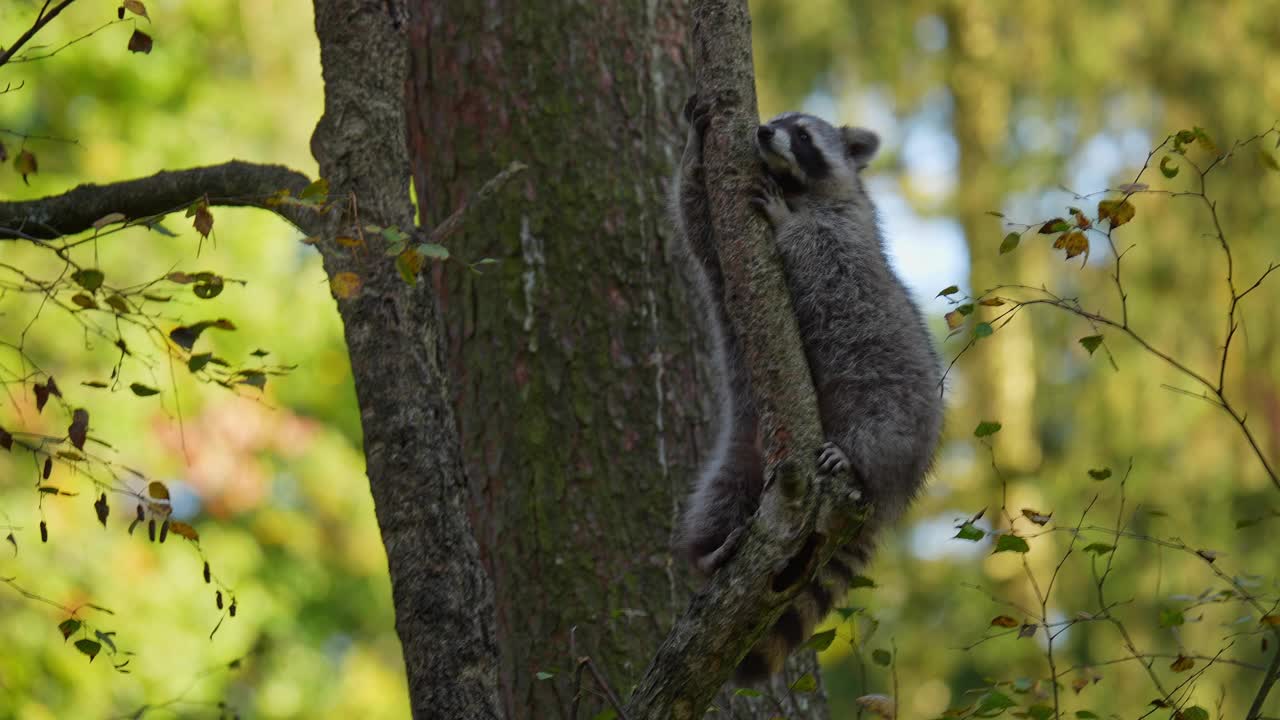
[(1000, 106)]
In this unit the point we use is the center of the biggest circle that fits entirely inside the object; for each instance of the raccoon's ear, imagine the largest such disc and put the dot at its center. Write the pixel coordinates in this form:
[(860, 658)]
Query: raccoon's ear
[(860, 145)]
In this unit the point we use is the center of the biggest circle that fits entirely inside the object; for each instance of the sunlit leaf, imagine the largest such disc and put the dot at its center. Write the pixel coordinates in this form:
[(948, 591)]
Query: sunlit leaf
[(1074, 242), (748, 692), (820, 641), (806, 683), (954, 319), (316, 192), (970, 532), (1010, 242), (1118, 212)]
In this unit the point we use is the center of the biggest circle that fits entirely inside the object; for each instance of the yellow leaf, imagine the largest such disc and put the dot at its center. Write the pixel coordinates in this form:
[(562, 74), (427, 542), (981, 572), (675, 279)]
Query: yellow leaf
[(954, 319), (1074, 243), (183, 529), (991, 302), (1182, 664), (1004, 621), (881, 705), (345, 285), (1118, 212), (106, 220), (157, 490)]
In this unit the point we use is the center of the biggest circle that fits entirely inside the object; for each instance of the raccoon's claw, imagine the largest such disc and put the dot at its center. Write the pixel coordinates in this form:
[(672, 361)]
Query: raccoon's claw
[(768, 200), (831, 459)]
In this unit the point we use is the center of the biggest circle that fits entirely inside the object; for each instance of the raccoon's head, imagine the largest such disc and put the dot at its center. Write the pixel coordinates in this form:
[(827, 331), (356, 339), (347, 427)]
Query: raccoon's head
[(808, 155)]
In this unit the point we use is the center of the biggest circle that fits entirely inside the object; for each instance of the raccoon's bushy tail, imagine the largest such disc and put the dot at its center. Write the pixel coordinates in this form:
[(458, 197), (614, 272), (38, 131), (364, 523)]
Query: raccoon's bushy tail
[(808, 609)]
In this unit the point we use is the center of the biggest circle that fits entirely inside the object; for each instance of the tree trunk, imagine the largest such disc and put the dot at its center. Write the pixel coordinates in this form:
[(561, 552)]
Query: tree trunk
[(580, 398), (583, 393), (443, 599)]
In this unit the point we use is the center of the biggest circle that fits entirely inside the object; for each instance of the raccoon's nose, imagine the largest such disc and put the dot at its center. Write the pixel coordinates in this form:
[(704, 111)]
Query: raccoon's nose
[(764, 133)]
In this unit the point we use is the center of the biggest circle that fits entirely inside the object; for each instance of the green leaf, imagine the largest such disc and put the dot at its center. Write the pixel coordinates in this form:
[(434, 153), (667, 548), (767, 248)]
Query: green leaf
[(544, 675), (409, 264), (1055, 225), (605, 714), (994, 701), (89, 647), (820, 641), (1098, 548), (948, 290), (1168, 168), (748, 692), (986, 428), (982, 330), (433, 251), (1171, 617), (805, 683), (1100, 473), (881, 657), (970, 532), (89, 279), (1195, 712), (1040, 712), (965, 309), (142, 390), (1091, 342), (1268, 160), (68, 627), (861, 581), (394, 235), (1010, 242), (316, 192), (1086, 715), (1011, 543)]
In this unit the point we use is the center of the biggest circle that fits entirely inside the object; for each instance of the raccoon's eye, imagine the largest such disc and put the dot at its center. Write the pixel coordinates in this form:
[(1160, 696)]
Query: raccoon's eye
[(803, 135)]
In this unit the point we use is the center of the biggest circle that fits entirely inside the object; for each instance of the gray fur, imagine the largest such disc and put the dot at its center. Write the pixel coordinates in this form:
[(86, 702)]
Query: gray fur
[(873, 364)]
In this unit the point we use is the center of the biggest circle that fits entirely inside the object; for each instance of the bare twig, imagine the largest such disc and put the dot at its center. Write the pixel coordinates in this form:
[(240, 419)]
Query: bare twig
[(42, 19)]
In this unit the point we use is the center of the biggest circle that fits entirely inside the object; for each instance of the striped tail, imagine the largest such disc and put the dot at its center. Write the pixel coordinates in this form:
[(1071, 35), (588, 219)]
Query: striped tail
[(808, 609)]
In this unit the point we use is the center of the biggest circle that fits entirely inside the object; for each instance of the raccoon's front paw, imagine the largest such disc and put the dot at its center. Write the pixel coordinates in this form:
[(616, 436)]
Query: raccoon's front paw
[(768, 200), (831, 459)]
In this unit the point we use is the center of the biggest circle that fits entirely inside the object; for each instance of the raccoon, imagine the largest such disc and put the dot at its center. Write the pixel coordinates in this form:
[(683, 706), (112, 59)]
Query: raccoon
[(873, 364)]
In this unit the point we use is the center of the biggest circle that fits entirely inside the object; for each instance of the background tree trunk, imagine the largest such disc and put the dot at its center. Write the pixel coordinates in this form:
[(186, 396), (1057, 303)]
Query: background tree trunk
[(583, 395)]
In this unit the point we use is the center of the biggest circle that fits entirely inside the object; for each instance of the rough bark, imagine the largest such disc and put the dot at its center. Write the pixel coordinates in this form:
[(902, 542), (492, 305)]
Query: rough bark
[(581, 395), (741, 602), (231, 183), (442, 596)]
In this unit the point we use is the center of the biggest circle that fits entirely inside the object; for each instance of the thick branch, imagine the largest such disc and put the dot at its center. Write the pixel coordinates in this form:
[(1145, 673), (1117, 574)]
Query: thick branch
[(231, 183), (739, 604)]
